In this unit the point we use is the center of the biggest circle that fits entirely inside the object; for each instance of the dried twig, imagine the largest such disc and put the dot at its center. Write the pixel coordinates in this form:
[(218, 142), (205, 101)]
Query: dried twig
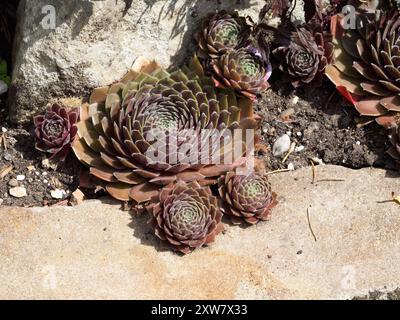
[(278, 171), (395, 199), (292, 147), (313, 171), (5, 171), (309, 224)]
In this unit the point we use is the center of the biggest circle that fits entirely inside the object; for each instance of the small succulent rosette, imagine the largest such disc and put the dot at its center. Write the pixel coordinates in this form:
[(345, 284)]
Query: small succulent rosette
[(186, 216), (246, 198), (220, 33), (306, 55), (245, 70), (56, 130)]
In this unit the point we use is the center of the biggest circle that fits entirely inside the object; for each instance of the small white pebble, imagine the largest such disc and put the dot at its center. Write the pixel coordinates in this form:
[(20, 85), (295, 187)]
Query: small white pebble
[(289, 133), (57, 194), (299, 134), (45, 181), (265, 130), (358, 143), (1, 201), (299, 149), (18, 192), (37, 173), (290, 166), (295, 100), (20, 177), (4, 130), (44, 173)]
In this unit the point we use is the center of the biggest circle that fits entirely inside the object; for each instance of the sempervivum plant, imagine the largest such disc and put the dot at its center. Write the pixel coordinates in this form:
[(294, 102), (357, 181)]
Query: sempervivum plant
[(186, 216), (246, 70), (221, 32), (144, 131), (367, 67), (246, 198), (304, 57), (55, 131)]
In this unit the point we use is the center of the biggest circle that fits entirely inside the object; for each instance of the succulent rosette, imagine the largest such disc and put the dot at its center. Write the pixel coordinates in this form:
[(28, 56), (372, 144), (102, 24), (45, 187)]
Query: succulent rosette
[(55, 131), (367, 64), (245, 70), (221, 32), (134, 135), (186, 216), (246, 198), (304, 57)]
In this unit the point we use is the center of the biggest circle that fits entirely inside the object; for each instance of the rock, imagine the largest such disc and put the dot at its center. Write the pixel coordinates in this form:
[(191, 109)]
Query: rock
[(100, 252), (13, 182), (18, 192), (77, 197), (94, 43), (281, 145), (57, 194), (4, 130), (1, 201), (7, 157), (47, 164), (20, 177)]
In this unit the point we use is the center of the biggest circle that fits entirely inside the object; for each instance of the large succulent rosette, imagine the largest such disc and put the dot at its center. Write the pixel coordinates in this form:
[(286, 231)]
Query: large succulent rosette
[(186, 216), (246, 198), (144, 131), (220, 33), (246, 70), (304, 57), (56, 130), (367, 64)]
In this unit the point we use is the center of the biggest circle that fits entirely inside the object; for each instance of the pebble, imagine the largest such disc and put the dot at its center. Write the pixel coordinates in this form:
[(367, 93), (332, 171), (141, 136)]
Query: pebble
[(295, 100), (299, 149), (44, 173), (18, 192), (7, 157), (57, 194), (77, 197), (1, 201), (358, 143), (290, 166), (20, 177), (281, 145), (298, 134), (13, 183), (45, 181), (4, 130)]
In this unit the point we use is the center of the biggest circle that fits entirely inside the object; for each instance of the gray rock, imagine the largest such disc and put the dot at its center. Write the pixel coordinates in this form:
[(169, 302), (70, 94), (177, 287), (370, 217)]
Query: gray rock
[(97, 251), (13, 182), (94, 43), (281, 145)]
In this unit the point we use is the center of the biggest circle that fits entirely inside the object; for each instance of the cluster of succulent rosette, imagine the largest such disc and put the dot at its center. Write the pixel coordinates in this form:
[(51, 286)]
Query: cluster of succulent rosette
[(187, 197)]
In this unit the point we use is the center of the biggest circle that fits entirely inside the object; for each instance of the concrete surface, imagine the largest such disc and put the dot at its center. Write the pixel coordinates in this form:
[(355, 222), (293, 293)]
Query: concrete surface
[(97, 251)]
